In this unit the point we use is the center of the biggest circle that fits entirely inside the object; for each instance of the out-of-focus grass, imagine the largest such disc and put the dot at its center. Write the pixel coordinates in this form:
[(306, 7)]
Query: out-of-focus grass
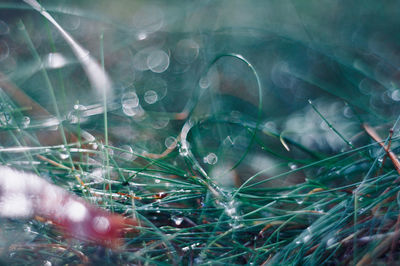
[(258, 174)]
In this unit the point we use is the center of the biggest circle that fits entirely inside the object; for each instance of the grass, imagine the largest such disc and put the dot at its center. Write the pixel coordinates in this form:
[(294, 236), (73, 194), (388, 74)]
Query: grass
[(209, 176)]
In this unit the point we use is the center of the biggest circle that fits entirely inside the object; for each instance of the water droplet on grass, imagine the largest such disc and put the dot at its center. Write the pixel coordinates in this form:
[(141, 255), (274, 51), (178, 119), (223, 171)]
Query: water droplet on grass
[(330, 242), (63, 156), (395, 95), (177, 220), (211, 158), (77, 115), (26, 121), (306, 238), (183, 151), (299, 200), (47, 263), (55, 60)]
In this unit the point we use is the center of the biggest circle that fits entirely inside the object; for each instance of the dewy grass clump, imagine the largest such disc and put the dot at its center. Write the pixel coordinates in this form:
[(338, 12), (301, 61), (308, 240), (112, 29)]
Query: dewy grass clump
[(197, 133)]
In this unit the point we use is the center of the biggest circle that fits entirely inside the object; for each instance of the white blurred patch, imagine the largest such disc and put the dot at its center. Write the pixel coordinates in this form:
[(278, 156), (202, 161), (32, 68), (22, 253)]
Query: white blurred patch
[(15, 205), (75, 211), (55, 60), (51, 200), (12, 181), (101, 224)]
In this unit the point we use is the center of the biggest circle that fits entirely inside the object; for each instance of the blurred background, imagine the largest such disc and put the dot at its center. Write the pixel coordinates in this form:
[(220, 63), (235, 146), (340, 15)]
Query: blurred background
[(323, 51)]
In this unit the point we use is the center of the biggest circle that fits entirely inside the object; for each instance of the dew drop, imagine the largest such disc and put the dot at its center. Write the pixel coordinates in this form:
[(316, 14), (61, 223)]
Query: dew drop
[(47, 263), (158, 61), (306, 238), (77, 115), (150, 97), (55, 60), (63, 156), (204, 83), (26, 121), (269, 126), (94, 145), (28, 229), (75, 211), (395, 95), (330, 242), (130, 105), (177, 220), (230, 209), (299, 201), (130, 100), (101, 224), (183, 151), (169, 141), (348, 112), (141, 36), (211, 158)]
